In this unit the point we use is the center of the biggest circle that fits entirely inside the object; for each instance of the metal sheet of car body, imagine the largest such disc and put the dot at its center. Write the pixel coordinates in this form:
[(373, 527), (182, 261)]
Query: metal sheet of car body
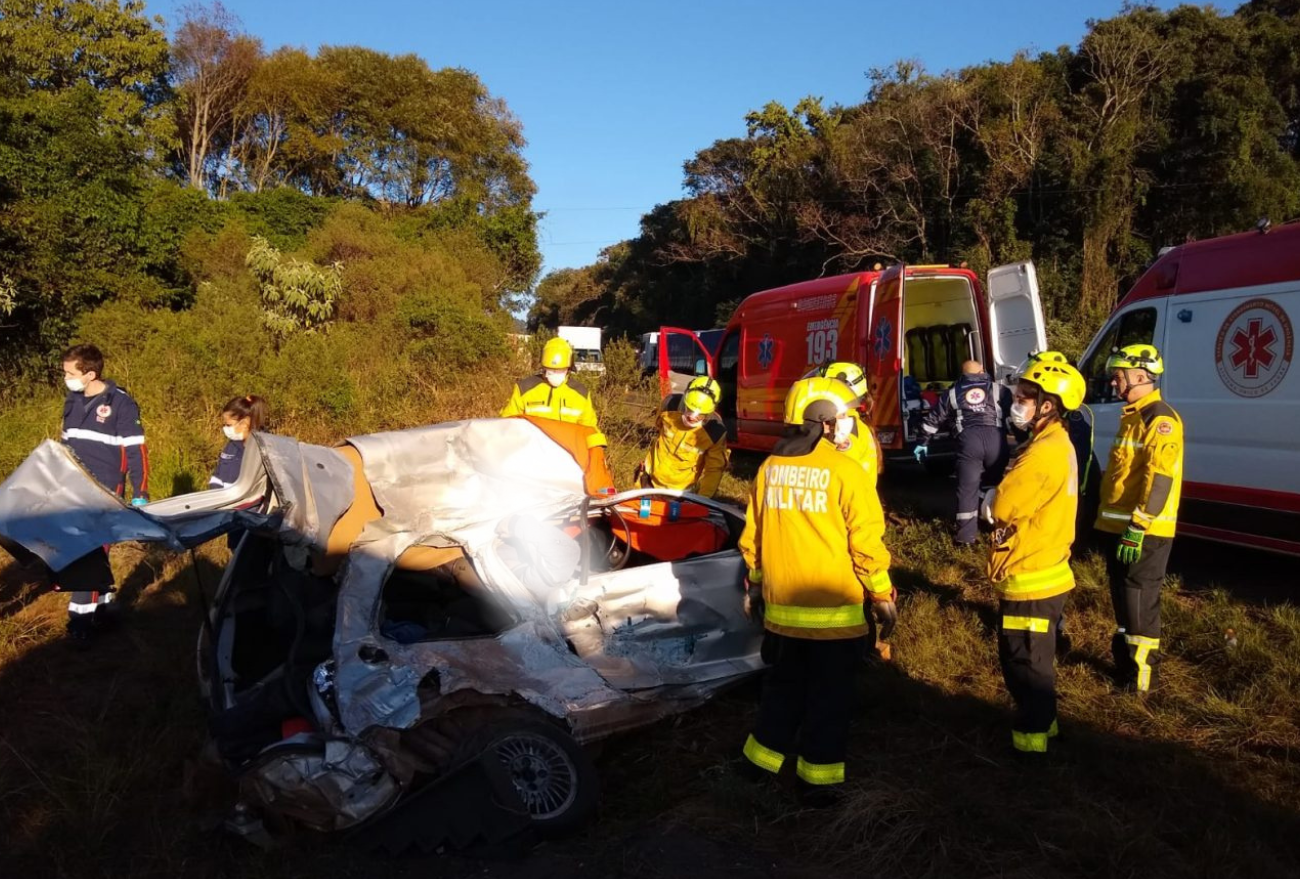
[(649, 640), (51, 506), (376, 678), (463, 477)]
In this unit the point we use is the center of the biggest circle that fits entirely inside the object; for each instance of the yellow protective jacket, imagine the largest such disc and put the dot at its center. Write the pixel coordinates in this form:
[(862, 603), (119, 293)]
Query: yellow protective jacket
[(1033, 519), (814, 538), (1144, 479), (570, 402), (863, 447), (687, 458)]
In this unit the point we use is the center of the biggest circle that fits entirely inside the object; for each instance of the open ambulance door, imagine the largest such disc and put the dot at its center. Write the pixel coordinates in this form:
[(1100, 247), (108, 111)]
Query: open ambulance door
[(1016, 325), (681, 354), (885, 358)]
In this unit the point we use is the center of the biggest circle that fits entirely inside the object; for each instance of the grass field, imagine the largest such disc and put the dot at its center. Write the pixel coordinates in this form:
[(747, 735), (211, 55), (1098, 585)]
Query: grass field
[(98, 748)]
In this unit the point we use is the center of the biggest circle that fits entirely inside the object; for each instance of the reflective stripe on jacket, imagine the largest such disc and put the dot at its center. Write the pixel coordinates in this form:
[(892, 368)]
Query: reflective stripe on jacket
[(804, 513), (105, 434), (685, 457), (570, 402), (1033, 519), (1144, 478)]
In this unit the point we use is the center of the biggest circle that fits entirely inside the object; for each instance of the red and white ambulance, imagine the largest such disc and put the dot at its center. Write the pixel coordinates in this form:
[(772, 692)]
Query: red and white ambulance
[(1223, 313), (910, 327)]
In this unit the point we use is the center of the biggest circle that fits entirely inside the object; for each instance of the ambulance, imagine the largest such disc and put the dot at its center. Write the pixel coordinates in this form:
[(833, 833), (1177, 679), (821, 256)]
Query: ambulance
[(1223, 313), (910, 327)]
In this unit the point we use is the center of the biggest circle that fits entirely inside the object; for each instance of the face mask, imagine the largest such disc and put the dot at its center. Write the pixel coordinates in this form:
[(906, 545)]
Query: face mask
[(76, 385), (555, 377), (1021, 416), (231, 433), (843, 430)]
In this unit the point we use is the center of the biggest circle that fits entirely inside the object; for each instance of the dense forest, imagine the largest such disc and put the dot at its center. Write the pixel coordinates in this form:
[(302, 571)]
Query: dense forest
[(1159, 127), (138, 163)]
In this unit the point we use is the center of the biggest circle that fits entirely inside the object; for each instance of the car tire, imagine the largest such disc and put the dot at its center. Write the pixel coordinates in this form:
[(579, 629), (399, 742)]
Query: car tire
[(552, 774)]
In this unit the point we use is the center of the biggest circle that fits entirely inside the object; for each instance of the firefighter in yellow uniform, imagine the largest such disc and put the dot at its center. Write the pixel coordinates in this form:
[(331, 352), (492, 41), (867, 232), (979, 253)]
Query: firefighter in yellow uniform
[(813, 542), (852, 435), (690, 453), (553, 393), (1032, 511), (1139, 511)]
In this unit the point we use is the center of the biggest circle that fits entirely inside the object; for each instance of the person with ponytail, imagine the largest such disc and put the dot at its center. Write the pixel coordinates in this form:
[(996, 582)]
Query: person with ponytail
[(241, 418)]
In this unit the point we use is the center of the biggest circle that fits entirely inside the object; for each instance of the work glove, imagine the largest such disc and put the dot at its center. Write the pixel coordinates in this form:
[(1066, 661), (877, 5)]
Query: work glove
[(139, 501), (1130, 545), (986, 504), (754, 604), (920, 452), (885, 613)]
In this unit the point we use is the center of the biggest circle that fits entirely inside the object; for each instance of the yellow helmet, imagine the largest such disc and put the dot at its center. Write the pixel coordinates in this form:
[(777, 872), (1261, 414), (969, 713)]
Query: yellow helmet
[(557, 354), (817, 399), (1040, 357), (1046, 357), (1136, 357), (702, 395), (849, 373), (1059, 379)]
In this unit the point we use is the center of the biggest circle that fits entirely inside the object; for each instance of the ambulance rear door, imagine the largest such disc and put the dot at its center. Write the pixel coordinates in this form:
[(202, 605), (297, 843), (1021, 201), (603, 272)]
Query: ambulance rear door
[(885, 358), (1015, 318)]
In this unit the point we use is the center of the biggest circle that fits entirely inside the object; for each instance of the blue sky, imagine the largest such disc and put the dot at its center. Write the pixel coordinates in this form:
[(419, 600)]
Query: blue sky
[(615, 96)]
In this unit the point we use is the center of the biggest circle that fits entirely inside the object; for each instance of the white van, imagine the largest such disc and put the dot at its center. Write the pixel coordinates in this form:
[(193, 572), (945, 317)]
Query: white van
[(1223, 313)]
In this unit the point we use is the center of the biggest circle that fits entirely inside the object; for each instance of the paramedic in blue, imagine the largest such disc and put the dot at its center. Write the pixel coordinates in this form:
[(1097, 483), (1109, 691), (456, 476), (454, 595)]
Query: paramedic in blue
[(101, 425), (240, 419), (976, 406)]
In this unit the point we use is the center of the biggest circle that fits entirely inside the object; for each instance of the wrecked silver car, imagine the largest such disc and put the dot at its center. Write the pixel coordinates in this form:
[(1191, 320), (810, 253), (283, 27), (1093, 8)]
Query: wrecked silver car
[(416, 616)]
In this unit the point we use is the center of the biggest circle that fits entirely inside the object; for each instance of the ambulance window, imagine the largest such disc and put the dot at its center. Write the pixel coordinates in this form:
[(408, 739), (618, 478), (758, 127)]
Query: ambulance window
[(1132, 328), (729, 358)]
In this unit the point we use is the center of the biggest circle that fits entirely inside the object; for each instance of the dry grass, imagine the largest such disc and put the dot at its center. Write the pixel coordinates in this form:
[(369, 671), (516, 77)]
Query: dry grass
[(1201, 781)]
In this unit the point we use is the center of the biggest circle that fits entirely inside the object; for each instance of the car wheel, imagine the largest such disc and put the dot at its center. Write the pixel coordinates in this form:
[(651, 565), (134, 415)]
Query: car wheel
[(552, 774)]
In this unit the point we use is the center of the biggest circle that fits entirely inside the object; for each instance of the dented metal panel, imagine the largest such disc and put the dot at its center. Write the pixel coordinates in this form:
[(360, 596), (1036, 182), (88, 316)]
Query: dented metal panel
[(54, 508), (57, 510), (326, 787)]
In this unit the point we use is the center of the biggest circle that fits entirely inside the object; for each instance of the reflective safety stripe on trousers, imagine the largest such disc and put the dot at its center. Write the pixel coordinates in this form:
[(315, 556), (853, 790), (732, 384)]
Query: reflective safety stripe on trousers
[(97, 600), (1142, 656), (1033, 743), (1025, 624), (1019, 584), (763, 758), (820, 773)]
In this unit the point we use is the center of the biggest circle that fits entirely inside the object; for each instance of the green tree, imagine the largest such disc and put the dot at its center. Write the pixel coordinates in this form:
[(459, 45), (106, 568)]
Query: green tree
[(297, 296)]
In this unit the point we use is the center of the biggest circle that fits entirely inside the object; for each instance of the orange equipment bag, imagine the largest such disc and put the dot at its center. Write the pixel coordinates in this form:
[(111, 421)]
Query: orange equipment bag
[(667, 535)]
